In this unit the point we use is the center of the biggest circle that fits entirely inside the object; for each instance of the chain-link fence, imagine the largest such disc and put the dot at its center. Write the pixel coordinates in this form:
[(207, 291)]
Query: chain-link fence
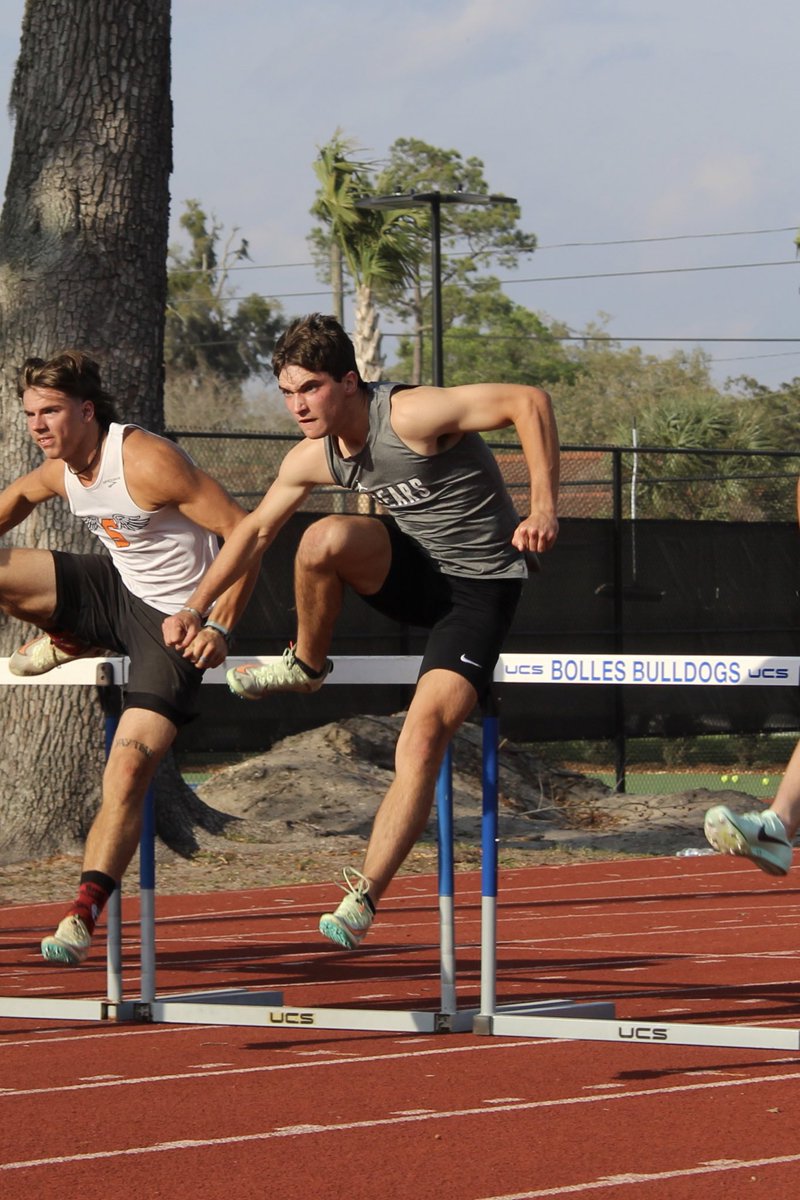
[(749, 764), (679, 484), (602, 482)]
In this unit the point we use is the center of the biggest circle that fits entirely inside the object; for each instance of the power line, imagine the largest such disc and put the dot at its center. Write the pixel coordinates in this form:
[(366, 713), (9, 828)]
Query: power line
[(533, 279), (791, 262), (753, 357), (457, 333), (676, 237), (610, 337)]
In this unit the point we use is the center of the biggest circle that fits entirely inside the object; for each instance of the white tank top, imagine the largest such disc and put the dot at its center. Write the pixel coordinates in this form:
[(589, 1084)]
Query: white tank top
[(160, 556)]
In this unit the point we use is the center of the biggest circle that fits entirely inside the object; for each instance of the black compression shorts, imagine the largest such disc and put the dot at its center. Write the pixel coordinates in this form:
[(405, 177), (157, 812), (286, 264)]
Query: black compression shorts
[(468, 618), (93, 604)]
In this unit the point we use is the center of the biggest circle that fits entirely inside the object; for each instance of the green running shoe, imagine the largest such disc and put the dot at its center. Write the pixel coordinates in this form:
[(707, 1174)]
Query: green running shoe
[(69, 944), (352, 919), (760, 836)]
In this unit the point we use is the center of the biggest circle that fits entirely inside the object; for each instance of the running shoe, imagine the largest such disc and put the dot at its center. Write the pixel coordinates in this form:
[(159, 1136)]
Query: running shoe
[(69, 944), (252, 682), (760, 836), (352, 919), (47, 651)]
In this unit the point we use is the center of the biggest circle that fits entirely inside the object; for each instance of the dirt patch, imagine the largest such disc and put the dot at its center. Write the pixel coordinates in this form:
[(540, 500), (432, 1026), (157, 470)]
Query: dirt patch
[(304, 809)]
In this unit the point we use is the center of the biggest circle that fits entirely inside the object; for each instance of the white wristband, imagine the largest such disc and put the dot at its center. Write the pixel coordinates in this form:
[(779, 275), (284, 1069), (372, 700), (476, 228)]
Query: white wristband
[(188, 608)]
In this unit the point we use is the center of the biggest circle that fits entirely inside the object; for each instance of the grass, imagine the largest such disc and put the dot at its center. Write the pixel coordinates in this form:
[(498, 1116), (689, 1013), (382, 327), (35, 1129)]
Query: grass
[(760, 784)]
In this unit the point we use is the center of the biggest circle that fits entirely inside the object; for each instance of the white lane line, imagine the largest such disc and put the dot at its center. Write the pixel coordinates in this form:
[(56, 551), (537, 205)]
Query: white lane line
[(469, 882), (616, 1181), (46, 1039), (470, 917), (349, 1060), (289, 1131)]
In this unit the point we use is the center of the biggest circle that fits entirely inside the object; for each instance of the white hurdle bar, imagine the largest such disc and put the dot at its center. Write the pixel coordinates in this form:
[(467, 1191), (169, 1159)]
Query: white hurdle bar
[(593, 1021)]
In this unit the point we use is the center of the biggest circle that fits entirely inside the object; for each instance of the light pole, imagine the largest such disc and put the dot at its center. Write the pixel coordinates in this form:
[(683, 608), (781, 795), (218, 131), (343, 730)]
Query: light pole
[(433, 200)]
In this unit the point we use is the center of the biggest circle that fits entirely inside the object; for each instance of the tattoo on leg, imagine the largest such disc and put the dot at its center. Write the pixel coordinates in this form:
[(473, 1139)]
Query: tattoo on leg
[(140, 746)]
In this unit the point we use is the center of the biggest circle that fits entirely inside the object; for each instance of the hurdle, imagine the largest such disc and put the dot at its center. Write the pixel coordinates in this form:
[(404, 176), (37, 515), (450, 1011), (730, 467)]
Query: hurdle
[(245, 1007), (527, 1020), (254, 1008), (568, 1019), (103, 673)]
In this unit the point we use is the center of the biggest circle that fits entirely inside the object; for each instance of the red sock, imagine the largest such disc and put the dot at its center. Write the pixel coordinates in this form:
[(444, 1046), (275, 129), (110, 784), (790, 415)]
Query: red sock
[(94, 891), (66, 642)]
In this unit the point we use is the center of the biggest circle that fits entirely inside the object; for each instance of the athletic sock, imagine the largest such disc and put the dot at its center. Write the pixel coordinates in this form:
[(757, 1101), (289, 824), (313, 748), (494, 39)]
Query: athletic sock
[(94, 890), (66, 642), (310, 672)]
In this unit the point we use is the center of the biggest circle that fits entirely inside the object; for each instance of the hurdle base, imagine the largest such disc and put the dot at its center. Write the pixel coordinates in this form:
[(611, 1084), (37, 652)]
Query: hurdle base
[(640, 1032), (260, 1011), (460, 1021), (243, 996), (538, 1011), (59, 1009)]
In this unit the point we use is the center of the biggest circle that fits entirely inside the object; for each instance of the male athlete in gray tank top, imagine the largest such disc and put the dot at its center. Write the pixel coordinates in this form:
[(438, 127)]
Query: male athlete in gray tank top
[(447, 554)]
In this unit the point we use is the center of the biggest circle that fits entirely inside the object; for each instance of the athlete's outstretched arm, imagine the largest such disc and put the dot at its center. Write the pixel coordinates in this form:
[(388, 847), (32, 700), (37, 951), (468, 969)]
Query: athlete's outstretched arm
[(158, 474), (20, 498), (242, 552)]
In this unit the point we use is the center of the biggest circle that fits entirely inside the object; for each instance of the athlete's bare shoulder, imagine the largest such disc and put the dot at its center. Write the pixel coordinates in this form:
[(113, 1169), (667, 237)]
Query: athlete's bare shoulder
[(49, 476), (157, 471), (306, 464)]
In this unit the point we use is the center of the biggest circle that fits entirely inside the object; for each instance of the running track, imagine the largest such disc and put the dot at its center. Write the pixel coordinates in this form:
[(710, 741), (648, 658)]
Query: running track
[(202, 1113)]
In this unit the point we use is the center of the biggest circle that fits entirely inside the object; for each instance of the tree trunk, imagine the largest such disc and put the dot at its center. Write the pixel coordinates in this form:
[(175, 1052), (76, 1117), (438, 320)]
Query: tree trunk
[(337, 281), (367, 336), (83, 243), (417, 335)]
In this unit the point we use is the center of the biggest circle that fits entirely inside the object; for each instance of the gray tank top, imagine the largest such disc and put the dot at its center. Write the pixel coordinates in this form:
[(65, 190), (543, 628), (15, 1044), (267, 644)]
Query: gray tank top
[(454, 504)]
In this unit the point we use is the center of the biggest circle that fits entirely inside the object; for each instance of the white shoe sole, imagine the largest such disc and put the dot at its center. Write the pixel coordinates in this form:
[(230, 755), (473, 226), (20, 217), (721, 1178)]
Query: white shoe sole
[(56, 951), (726, 838), (331, 928)]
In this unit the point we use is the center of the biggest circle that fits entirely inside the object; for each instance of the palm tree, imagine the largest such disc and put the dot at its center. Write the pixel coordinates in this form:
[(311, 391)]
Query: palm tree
[(378, 246)]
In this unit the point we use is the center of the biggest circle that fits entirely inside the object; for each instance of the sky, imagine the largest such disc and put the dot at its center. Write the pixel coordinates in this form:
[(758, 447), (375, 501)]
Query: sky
[(652, 147)]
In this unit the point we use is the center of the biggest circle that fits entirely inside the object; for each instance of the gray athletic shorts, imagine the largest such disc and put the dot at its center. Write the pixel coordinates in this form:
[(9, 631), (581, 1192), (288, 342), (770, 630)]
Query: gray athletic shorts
[(93, 604), (468, 619)]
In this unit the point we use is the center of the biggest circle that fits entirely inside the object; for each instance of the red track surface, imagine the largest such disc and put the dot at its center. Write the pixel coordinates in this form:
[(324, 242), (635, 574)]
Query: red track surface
[(206, 1112)]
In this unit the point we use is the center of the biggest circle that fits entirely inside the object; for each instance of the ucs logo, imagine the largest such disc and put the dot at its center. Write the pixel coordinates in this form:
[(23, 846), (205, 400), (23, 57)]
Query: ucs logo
[(643, 1033), (280, 1016)]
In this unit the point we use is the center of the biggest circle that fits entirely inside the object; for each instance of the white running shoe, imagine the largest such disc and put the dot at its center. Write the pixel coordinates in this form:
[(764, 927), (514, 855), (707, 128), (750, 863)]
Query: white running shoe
[(47, 651), (760, 836), (352, 919), (70, 943), (252, 682)]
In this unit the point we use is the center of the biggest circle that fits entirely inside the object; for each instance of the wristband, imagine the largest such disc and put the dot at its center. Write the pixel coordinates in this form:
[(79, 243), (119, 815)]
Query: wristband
[(188, 608), (220, 629)]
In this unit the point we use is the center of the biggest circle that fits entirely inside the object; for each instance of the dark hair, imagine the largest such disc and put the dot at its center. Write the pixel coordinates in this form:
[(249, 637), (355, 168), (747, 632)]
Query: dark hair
[(317, 343), (73, 373)]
